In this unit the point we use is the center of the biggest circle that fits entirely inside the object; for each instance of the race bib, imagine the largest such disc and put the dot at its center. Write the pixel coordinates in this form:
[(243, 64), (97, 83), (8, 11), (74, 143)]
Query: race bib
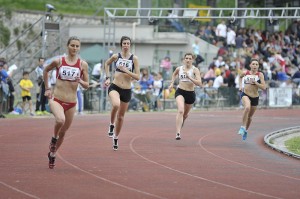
[(248, 79), (124, 62), (69, 73)]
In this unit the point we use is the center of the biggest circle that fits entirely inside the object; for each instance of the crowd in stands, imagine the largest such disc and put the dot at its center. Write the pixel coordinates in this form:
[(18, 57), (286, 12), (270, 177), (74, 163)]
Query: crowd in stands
[(278, 53)]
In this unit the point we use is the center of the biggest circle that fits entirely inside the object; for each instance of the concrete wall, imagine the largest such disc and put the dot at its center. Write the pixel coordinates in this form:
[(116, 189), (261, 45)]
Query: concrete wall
[(148, 44)]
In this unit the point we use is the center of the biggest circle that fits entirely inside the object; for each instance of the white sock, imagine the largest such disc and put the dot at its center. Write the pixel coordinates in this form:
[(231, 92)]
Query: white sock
[(52, 154)]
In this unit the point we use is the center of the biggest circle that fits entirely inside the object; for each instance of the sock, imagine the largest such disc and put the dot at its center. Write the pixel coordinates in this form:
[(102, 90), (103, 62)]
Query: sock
[(115, 137), (112, 124), (52, 154)]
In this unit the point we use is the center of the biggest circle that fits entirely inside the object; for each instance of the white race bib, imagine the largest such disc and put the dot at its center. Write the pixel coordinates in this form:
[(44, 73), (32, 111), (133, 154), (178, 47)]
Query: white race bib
[(69, 73), (248, 79), (124, 62)]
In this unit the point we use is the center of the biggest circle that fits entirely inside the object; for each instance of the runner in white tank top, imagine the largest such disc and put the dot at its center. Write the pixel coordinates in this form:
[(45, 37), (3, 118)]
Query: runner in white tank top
[(189, 77)]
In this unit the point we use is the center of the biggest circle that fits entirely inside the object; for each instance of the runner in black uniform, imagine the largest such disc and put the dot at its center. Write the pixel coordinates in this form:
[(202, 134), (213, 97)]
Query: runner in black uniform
[(120, 89)]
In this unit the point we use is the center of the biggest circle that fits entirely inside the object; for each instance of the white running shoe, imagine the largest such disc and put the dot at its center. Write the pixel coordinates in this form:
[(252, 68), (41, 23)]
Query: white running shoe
[(115, 144), (178, 136), (111, 130)]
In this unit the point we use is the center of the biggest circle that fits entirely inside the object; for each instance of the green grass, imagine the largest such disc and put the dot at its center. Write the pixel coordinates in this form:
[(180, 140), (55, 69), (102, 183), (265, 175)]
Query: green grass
[(293, 145), (80, 7), (90, 7)]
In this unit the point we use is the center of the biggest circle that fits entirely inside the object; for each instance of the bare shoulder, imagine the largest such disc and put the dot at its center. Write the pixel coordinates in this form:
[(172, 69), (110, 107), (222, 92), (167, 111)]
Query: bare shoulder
[(242, 74), (196, 69), (55, 63), (135, 57), (84, 63), (114, 56), (261, 75)]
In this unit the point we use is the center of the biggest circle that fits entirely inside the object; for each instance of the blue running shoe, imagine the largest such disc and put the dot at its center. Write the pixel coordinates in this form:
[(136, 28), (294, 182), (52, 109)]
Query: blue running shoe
[(245, 135), (242, 131)]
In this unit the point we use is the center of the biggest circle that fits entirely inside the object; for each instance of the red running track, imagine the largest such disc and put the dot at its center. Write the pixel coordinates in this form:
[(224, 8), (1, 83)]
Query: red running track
[(211, 160)]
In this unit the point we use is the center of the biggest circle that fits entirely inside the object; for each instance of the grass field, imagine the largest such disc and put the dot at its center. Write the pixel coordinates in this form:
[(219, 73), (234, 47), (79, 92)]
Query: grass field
[(293, 145)]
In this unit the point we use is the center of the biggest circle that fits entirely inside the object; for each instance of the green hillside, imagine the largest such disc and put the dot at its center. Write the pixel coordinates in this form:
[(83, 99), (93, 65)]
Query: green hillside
[(91, 7)]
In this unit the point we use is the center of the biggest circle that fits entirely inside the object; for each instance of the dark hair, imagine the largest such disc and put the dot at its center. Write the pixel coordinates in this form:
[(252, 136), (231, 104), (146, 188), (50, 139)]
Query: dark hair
[(72, 38), (25, 73), (124, 38), (253, 59)]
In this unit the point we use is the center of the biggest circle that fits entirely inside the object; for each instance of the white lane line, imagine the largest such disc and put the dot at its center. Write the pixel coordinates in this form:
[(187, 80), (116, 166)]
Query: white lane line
[(18, 190), (241, 164), (195, 176)]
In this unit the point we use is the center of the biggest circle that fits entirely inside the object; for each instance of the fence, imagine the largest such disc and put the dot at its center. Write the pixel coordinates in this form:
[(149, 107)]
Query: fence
[(206, 98), (224, 97)]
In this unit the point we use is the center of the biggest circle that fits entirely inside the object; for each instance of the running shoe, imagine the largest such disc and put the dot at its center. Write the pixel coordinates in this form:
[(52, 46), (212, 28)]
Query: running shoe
[(111, 131), (115, 144), (51, 161), (52, 145), (245, 135), (242, 131), (178, 136)]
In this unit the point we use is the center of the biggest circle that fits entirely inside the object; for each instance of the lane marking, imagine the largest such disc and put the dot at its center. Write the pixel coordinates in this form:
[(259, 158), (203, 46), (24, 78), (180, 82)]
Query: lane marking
[(18, 190), (241, 164), (195, 176)]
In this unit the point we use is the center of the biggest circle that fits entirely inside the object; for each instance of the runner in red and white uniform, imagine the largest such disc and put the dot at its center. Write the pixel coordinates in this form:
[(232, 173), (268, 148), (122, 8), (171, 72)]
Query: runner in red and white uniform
[(71, 71)]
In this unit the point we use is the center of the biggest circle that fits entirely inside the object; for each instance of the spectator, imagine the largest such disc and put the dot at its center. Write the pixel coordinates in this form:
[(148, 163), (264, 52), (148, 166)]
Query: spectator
[(146, 85), (146, 80), (223, 50), (210, 74), (166, 66), (52, 79), (196, 50), (79, 100), (208, 92), (41, 99), (288, 83), (96, 73), (11, 95), (221, 31), (173, 20), (26, 85), (240, 44), (230, 39), (296, 76), (3, 86), (231, 78), (220, 69), (157, 90), (219, 81), (210, 35)]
